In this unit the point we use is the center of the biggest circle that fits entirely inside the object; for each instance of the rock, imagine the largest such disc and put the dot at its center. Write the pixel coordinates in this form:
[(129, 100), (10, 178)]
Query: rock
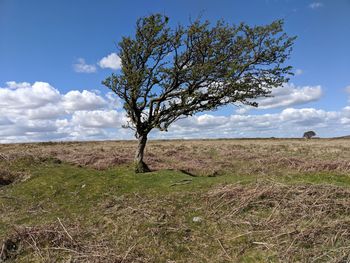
[(197, 219)]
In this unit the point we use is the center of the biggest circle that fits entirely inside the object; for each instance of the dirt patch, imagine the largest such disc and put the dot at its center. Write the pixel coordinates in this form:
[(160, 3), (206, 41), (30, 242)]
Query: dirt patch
[(4, 181), (8, 177), (298, 223)]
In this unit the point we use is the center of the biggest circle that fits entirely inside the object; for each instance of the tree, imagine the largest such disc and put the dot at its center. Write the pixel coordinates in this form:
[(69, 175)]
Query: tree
[(170, 73), (309, 134)]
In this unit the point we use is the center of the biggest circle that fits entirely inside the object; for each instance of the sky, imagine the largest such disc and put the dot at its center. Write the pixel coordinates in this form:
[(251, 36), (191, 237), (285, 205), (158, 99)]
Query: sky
[(54, 55)]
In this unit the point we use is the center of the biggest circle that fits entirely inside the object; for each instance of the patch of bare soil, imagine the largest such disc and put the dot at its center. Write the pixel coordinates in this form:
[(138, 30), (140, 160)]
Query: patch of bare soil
[(306, 223), (8, 177)]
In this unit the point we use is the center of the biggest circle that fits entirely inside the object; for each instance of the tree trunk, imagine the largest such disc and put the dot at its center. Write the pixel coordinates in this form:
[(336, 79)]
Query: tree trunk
[(140, 166)]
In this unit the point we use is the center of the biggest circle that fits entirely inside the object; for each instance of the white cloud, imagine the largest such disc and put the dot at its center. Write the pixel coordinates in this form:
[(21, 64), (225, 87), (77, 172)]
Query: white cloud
[(48, 111), (112, 61), (289, 122), (81, 67), (98, 119), (39, 112), (113, 100), (15, 85), (75, 100), (23, 95), (287, 96), (290, 95), (42, 101), (243, 110), (316, 5), (298, 72), (307, 116)]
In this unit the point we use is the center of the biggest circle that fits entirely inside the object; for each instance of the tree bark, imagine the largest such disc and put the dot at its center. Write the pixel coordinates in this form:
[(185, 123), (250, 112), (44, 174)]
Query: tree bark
[(140, 166)]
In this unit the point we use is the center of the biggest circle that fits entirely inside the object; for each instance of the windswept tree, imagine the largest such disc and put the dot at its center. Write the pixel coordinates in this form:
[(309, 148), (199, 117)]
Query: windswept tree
[(170, 73)]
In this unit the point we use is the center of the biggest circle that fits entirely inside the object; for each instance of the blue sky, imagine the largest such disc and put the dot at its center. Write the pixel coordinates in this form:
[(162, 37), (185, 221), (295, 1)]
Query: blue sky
[(41, 41)]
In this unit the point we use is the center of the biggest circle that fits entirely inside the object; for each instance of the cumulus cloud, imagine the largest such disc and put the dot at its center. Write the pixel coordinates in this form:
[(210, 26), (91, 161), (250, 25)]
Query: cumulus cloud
[(289, 122), (111, 61), (20, 95), (98, 119), (316, 5), (39, 112), (290, 95), (75, 100), (31, 112), (287, 96), (48, 111), (81, 67)]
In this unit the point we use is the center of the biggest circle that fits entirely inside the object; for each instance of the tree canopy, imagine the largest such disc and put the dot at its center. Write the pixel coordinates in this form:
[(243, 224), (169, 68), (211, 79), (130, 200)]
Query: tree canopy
[(170, 73)]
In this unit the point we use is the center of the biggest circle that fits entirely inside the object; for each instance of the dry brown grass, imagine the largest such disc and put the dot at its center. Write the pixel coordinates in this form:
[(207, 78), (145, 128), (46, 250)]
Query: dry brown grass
[(305, 223), (60, 242), (263, 221), (200, 157)]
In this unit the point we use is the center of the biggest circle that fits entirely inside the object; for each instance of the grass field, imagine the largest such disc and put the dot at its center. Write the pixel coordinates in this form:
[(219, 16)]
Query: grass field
[(268, 200)]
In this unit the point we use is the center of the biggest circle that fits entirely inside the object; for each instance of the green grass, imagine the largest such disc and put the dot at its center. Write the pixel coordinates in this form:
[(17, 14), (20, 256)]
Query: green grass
[(326, 178), (67, 190), (79, 194)]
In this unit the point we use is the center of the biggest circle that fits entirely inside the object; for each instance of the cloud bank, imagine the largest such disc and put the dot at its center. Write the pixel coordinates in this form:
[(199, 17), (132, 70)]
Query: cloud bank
[(40, 112), (289, 122), (287, 96)]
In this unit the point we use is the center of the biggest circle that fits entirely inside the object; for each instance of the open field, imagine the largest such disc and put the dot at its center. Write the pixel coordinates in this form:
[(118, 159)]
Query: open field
[(269, 200)]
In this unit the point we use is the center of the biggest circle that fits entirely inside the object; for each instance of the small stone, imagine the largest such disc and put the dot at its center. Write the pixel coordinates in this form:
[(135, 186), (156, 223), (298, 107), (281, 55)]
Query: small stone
[(197, 219)]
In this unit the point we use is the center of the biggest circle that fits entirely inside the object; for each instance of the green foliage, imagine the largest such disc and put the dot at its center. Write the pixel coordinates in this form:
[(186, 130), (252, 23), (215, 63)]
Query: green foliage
[(170, 73)]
